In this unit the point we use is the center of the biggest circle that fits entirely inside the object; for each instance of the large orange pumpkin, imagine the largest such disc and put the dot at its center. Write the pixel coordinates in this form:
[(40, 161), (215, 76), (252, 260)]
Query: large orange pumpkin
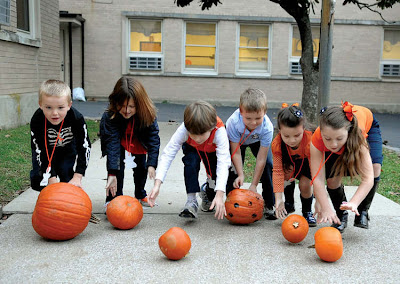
[(62, 211), (244, 206), (124, 212), (295, 228), (329, 244), (175, 243)]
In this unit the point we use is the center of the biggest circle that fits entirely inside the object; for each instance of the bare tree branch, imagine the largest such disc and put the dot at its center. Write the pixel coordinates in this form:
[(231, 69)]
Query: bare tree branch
[(381, 4)]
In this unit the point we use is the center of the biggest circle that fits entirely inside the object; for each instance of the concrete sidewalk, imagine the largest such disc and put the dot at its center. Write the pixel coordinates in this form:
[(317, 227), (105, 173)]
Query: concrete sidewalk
[(220, 253)]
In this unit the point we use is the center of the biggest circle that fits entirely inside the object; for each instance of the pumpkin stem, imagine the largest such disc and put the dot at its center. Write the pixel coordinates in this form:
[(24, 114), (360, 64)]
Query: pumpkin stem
[(295, 225)]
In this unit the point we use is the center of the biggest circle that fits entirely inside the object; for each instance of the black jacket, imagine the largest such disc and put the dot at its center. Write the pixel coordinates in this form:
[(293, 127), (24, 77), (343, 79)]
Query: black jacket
[(111, 131), (75, 141)]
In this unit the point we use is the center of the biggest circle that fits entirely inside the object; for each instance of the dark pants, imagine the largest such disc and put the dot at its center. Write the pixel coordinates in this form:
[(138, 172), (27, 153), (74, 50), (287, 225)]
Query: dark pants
[(139, 176), (62, 164), (191, 161), (266, 177)]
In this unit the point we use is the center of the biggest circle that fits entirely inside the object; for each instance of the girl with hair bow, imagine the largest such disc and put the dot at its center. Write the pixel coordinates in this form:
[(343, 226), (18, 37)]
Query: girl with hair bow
[(348, 142)]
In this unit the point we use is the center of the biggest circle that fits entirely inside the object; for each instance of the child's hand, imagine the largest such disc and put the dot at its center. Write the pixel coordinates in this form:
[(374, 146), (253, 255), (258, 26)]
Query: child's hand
[(52, 180), (111, 186), (151, 198), (238, 182), (253, 188), (219, 205), (326, 216), (349, 206), (280, 210), (76, 180), (152, 172)]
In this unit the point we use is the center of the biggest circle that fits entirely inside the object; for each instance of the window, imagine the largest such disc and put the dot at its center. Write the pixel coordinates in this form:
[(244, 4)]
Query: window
[(200, 47), (295, 67), (5, 12), (145, 45), (390, 64), (23, 15), (253, 48)]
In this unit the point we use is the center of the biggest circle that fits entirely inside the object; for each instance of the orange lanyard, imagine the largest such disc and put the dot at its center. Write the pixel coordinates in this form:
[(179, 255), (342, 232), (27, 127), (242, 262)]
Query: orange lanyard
[(128, 147), (241, 143), (294, 165), (321, 165), (55, 144), (209, 173)]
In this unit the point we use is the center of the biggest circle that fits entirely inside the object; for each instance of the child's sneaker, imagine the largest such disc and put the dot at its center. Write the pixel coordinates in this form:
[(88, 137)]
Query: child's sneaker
[(310, 219), (289, 207), (105, 207), (190, 209), (205, 203), (144, 202), (269, 213)]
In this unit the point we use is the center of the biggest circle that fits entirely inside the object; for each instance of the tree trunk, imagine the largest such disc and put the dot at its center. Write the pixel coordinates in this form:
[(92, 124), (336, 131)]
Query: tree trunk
[(309, 101)]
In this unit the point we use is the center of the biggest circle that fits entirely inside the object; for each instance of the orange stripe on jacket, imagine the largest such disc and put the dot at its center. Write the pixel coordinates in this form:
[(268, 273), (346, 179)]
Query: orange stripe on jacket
[(208, 146)]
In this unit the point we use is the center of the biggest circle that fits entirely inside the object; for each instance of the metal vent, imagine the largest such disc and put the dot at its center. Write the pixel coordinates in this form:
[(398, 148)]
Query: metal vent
[(295, 68), (391, 69), (145, 63)]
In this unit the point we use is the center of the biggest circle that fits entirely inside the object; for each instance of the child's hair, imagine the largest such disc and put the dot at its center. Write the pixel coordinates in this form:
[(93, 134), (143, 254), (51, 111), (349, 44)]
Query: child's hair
[(54, 88), (350, 161), (253, 100), (291, 116), (129, 88), (199, 117)]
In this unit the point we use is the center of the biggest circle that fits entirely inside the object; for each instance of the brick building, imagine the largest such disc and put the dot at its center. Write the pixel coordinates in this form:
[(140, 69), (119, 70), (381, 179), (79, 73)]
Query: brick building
[(29, 54), (183, 54)]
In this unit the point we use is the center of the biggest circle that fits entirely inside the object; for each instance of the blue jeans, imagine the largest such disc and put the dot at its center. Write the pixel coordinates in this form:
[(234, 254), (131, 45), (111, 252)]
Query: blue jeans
[(191, 161)]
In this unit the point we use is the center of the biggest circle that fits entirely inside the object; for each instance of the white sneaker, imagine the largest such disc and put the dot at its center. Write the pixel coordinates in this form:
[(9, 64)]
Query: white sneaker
[(205, 203), (190, 209), (105, 207)]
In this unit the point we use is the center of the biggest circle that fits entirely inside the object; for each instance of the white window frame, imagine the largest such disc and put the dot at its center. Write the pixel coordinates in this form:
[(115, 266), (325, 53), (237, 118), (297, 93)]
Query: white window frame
[(200, 71), (34, 22), (295, 59), (149, 54), (387, 61), (265, 73), (5, 15)]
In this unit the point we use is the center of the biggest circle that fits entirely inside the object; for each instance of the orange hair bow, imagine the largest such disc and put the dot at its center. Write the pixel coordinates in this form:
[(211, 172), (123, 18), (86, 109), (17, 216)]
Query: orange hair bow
[(348, 110), (285, 105)]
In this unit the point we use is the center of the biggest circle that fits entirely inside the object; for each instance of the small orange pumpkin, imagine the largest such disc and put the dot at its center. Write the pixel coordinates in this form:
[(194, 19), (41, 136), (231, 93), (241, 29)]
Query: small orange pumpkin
[(295, 228), (124, 212), (62, 211), (329, 244), (244, 206), (175, 243)]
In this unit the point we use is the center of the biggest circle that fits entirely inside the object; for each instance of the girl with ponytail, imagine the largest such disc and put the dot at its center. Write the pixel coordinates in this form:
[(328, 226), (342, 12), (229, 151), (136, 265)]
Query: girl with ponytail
[(347, 143)]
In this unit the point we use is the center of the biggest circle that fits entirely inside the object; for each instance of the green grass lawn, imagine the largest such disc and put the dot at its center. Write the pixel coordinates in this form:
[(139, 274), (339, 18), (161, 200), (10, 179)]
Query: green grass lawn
[(390, 176), (15, 164), (15, 159)]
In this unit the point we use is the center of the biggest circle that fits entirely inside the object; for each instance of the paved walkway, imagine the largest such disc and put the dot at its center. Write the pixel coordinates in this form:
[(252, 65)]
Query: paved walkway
[(220, 253)]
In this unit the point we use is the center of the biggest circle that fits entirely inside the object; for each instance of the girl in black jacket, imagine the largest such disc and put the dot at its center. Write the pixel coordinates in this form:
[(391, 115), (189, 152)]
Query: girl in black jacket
[(129, 135)]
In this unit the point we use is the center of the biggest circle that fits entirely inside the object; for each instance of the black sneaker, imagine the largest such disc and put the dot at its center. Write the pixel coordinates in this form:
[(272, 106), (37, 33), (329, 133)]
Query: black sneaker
[(269, 213), (310, 219), (289, 207)]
